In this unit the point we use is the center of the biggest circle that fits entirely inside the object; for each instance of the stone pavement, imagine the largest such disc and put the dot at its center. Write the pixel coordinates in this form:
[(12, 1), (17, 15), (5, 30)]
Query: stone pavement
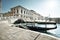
[(14, 33)]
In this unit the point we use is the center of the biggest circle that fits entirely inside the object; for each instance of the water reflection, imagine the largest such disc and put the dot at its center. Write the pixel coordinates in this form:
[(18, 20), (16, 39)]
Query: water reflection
[(56, 31), (45, 25)]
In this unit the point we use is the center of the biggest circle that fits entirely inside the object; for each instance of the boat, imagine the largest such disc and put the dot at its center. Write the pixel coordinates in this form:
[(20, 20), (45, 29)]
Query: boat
[(32, 25), (41, 28), (37, 27)]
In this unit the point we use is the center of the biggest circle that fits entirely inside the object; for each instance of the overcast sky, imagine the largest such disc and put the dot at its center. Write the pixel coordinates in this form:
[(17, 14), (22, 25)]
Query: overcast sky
[(44, 7)]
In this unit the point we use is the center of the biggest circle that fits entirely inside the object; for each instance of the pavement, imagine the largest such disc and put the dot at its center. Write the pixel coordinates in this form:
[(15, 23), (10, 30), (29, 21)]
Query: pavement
[(14, 33)]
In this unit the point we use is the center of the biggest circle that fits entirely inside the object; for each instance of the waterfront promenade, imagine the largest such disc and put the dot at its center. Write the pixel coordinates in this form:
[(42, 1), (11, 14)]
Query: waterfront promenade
[(8, 32)]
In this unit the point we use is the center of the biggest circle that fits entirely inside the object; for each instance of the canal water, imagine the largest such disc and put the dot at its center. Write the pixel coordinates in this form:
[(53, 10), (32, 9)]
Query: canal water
[(56, 32)]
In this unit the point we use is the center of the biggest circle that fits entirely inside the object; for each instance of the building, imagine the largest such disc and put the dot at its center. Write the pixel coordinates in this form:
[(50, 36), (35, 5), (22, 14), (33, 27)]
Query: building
[(36, 16), (23, 13), (57, 20), (1, 15)]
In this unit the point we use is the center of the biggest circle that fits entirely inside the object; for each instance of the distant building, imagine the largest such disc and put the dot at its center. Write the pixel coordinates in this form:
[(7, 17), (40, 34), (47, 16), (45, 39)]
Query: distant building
[(7, 14), (57, 20), (23, 13), (1, 15)]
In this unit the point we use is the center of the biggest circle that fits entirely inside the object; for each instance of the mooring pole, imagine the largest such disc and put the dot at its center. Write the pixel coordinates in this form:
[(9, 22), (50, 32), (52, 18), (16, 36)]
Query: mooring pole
[(0, 6)]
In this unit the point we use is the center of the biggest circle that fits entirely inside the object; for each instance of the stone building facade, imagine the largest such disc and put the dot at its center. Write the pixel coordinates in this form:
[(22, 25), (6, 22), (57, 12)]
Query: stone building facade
[(23, 13), (26, 14)]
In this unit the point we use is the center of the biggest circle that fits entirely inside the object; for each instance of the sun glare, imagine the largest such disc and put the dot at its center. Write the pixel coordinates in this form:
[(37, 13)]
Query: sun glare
[(51, 4)]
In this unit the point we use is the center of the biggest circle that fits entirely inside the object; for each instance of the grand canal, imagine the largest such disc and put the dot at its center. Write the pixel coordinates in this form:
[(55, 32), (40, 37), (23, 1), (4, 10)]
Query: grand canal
[(56, 32)]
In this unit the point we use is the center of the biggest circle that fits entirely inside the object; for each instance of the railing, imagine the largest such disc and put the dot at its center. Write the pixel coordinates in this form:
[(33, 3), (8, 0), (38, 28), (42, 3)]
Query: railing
[(28, 20)]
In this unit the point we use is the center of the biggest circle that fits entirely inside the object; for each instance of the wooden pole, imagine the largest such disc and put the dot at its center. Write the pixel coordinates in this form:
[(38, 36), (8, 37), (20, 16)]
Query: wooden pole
[(0, 6)]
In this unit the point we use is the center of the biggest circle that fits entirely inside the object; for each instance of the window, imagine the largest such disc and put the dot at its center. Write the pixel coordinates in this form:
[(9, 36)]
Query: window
[(24, 12), (17, 10), (24, 16), (21, 15), (14, 9), (38, 18), (35, 18), (31, 18), (21, 11)]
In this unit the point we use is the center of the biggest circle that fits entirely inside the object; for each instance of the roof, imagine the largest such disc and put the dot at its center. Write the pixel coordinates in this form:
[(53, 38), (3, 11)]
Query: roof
[(19, 7)]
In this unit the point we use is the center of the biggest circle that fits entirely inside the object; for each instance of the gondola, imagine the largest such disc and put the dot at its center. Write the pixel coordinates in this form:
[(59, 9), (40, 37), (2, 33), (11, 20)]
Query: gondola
[(33, 26)]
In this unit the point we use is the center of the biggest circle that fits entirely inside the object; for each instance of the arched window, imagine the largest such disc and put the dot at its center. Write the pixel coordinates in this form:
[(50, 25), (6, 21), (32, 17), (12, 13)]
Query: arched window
[(24, 12), (17, 10), (21, 11)]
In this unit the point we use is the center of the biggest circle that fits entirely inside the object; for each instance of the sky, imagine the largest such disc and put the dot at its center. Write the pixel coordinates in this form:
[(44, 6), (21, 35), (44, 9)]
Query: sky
[(46, 8)]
